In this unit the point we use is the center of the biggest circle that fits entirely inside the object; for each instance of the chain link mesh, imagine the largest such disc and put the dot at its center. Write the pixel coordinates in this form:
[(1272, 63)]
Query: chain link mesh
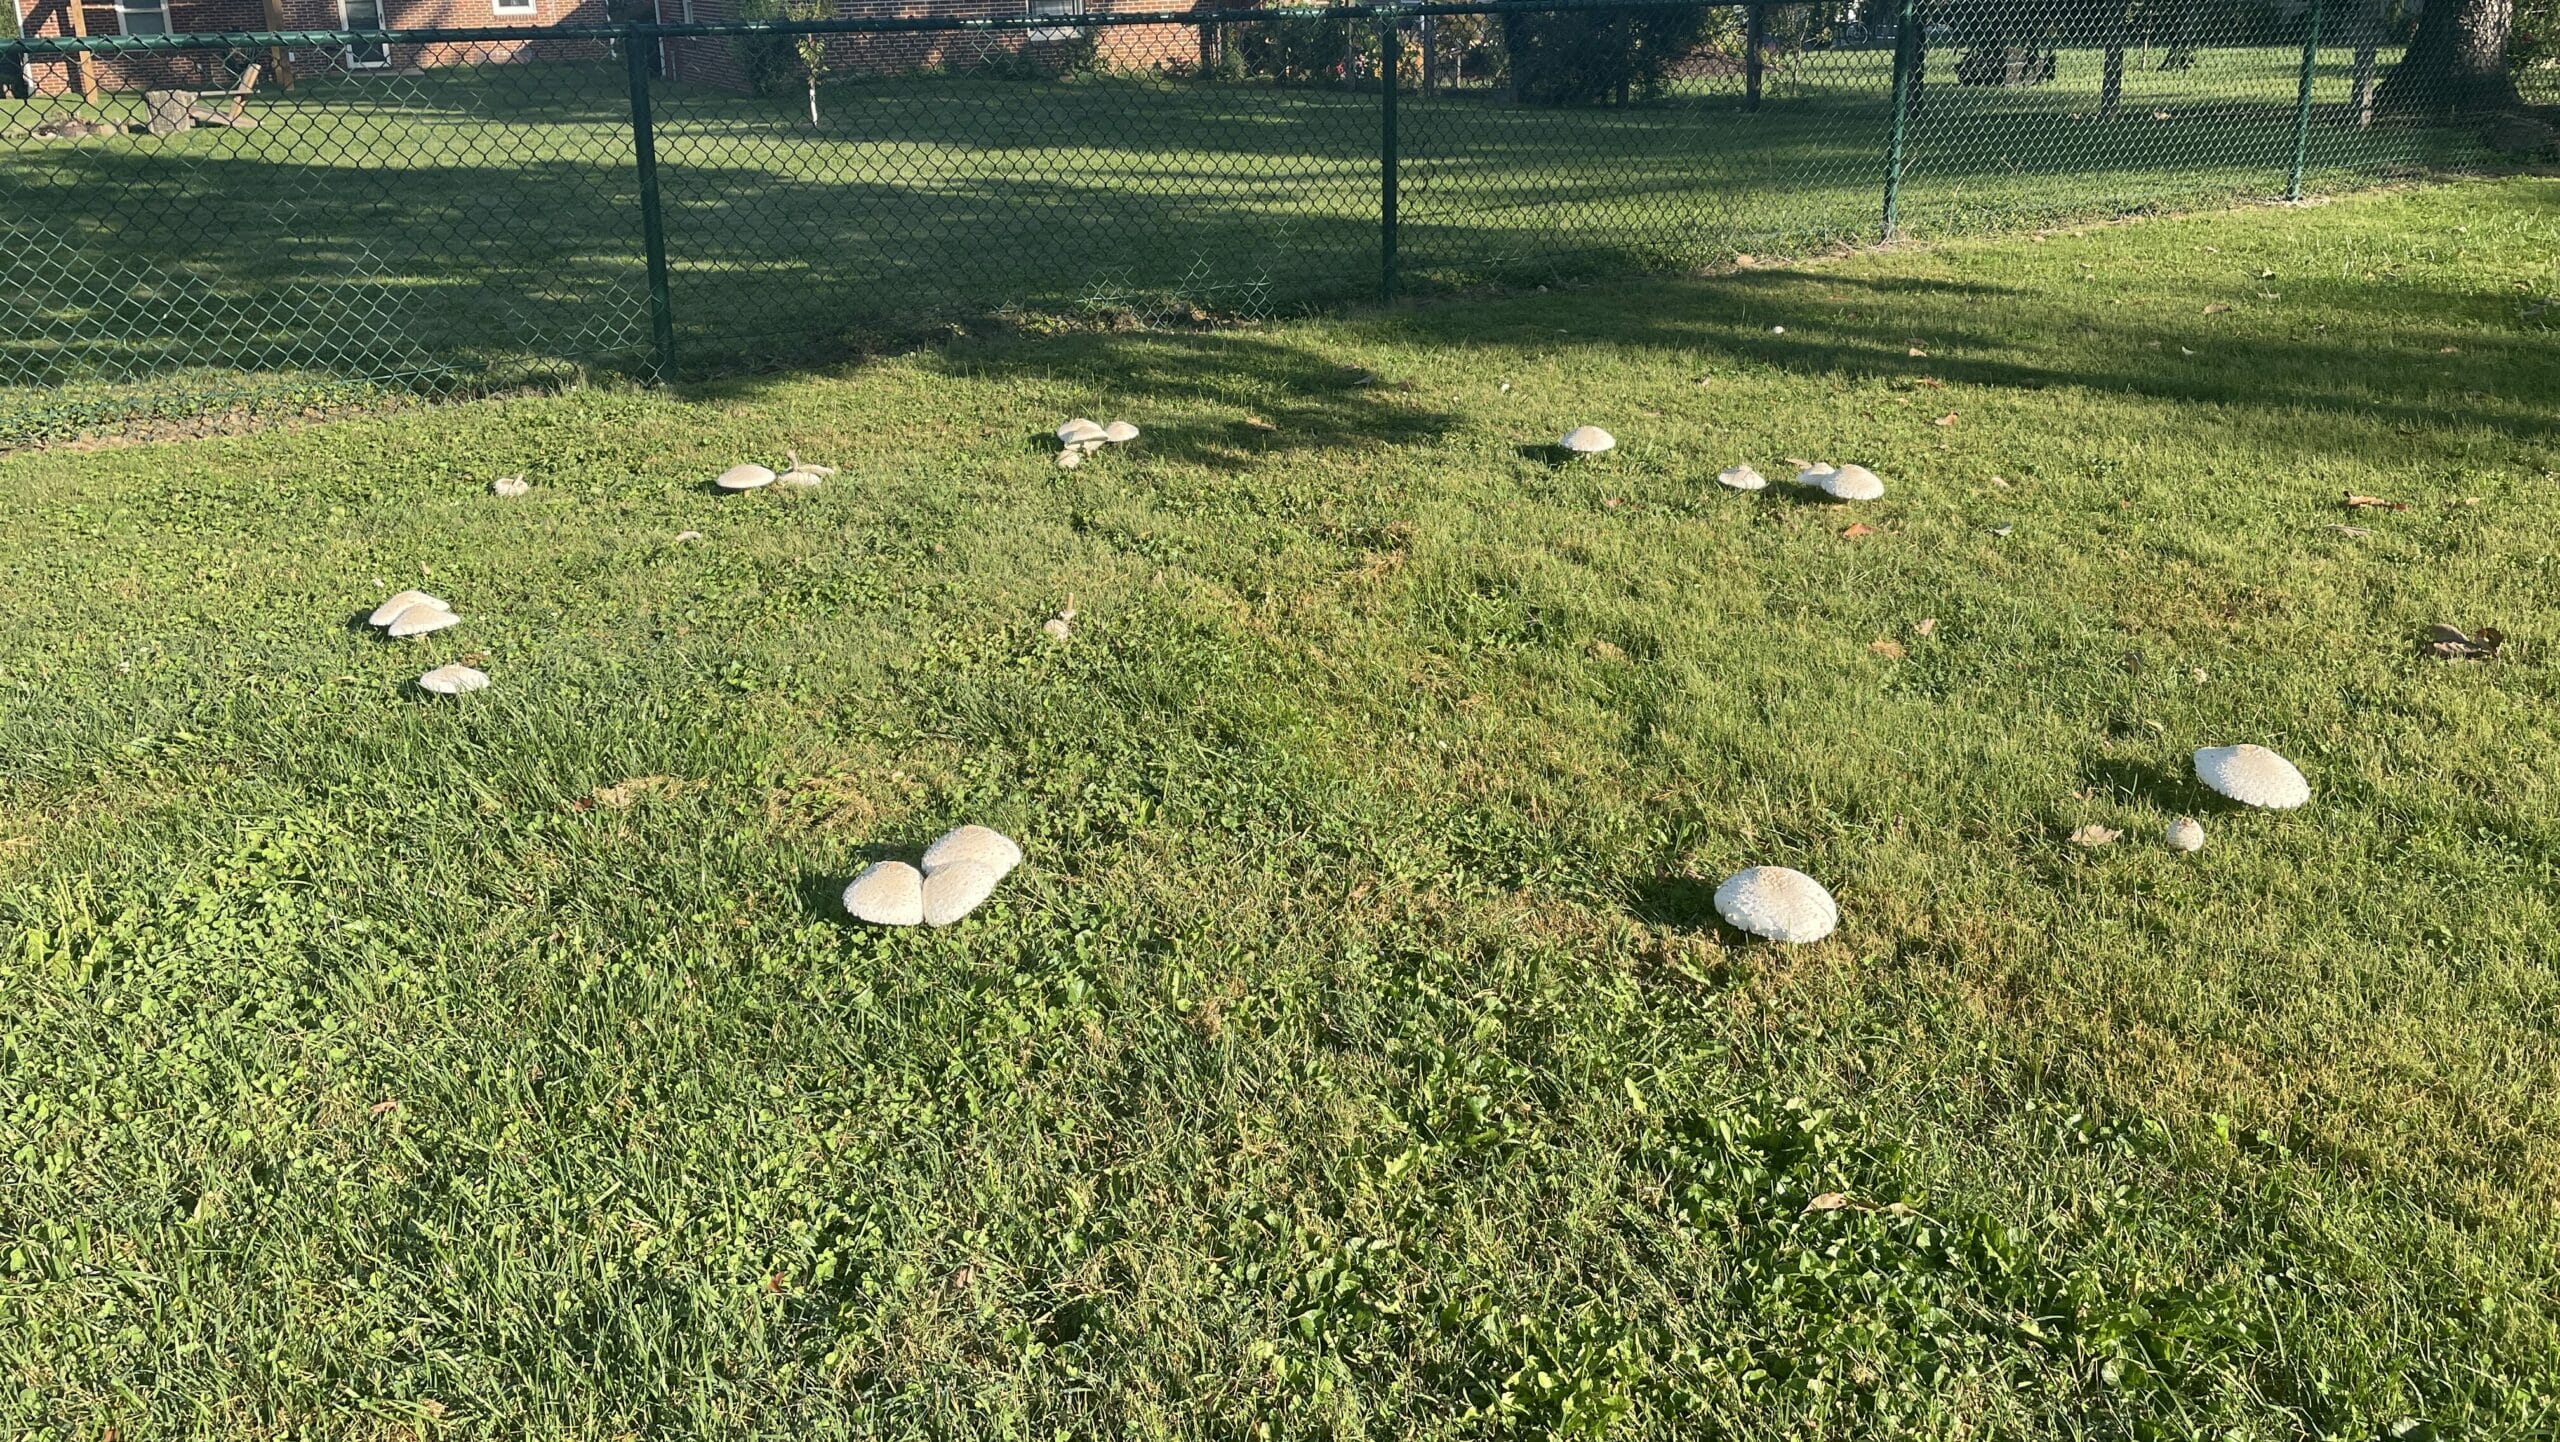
[(198, 232)]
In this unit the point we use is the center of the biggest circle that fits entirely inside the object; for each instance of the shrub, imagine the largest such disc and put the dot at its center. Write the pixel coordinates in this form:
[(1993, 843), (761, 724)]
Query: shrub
[(1596, 57)]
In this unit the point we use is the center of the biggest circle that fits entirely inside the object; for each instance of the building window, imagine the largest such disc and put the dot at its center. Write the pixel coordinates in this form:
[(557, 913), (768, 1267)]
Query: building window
[(143, 17), (1053, 7), (511, 7)]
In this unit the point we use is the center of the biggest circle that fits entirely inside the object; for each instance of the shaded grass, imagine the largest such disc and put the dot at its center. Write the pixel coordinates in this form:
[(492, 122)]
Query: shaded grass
[(1356, 1055), (476, 228)]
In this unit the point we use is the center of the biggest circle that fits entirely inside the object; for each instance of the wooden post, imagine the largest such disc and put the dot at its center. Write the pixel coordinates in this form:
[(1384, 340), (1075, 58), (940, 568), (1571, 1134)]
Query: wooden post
[(84, 76), (278, 64)]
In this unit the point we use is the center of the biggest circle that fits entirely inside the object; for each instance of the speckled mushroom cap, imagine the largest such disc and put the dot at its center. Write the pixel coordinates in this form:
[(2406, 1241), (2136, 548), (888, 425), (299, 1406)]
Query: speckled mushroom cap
[(1587, 441), (890, 893), (1852, 483), (1081, 432), (1119, 433), (747, 477), (2252, 776), (2185, 834), (399, 601), (1777, 903), (454, 680), (957, 888), (988, 847), (1741, 478)]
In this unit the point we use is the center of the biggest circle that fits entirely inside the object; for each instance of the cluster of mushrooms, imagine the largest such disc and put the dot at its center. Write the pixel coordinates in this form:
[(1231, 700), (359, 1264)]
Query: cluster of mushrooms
[(796, 475), (1851, 482), (1080, 438), (961, 869), (415, 613)]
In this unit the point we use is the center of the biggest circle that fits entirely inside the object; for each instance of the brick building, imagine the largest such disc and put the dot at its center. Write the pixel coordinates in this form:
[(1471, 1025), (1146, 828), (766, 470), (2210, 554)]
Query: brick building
[(709, 60)]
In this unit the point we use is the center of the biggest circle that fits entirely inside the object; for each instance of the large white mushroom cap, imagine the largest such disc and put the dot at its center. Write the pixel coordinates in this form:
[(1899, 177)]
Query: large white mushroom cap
[(1081, 432), (1815, 475), (1742, 478), (454, 680), (1778, 903), (747, 477), (389, 611), (1852, 482), (983, 845), (956, 889), (420, 619), (1119, 433), (2252, 776), (890, 893), (1587, 441)]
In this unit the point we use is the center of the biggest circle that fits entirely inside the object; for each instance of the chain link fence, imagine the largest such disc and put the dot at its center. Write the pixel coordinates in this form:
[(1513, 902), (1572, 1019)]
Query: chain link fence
[(205, 230)]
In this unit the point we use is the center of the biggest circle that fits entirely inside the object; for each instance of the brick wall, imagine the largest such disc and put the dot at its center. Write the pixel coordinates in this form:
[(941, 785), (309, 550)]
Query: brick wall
[(208, 68), (714, 61)]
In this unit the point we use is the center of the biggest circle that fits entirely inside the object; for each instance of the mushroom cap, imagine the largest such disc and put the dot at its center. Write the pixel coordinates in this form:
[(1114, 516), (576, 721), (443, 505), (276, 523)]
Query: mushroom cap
[(509, 486), (1852, 482), (1742, 477), (1070, 458), (399, 601), (2252, 776), (454, 680), (2186, 834), (420, 619), (888, 893), (1778, 903), (1815, 475), (1587, 440), (981, 844), (800, 479), (956, 889), (1079, 431), (746, 477), (1057, 628), (1119, 433)]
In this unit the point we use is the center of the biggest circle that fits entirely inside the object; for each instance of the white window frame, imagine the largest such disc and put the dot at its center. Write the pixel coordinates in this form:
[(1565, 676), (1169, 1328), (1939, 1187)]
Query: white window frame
[(514, 7), (1053, 32), (353, 55), (125, 12)]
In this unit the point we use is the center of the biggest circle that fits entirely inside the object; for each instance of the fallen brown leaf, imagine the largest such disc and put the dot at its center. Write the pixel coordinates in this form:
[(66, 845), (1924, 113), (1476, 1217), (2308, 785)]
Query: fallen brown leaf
[(1945, 420), (1257, 423), (1917, 351), (2355, 502), (1857, 530), (1745, 260), (1932, 382), (1827, 1202), (2094, 835), (2217, 308), (1888, 649), (380, 1107), (1926, 625), (2344, 529)]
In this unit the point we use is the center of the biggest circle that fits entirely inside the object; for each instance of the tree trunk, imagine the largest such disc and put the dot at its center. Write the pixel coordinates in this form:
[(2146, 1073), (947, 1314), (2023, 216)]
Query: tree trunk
[(2360, 101), (2457, 61)]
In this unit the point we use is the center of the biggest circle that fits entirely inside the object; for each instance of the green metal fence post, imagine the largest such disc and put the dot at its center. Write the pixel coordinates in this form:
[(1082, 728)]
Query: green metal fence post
[(2302, 106), (1391, 62), (636, 52), (1755, 38), (1906, 57)]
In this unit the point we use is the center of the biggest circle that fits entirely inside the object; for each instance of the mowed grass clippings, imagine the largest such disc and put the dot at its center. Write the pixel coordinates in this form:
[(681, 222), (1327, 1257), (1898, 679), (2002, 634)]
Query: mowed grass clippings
[(1356, 1053)]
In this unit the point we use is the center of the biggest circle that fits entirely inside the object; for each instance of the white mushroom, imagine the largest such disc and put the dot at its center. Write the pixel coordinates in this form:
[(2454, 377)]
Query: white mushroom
[(454, 680), (1741, 478), (1119, 433), (389, 611), (983, 845), (1586, 441), (800, 478), (2186, 835), (421, 619), (806, 467), (1081, 432), (890, 893), (1815, 475), (509, 486), (748, 477), (1852, 483), (2252, 776), (1778, 903), (1057, 628), (954, 890), (1070, 458)]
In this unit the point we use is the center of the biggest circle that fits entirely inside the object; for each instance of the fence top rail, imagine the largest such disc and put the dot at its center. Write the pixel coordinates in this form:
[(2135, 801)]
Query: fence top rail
[(846, 25)]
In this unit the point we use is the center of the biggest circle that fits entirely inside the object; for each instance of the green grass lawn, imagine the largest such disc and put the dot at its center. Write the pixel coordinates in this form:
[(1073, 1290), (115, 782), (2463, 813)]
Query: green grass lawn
[(476, 227), (1357, 1054)]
